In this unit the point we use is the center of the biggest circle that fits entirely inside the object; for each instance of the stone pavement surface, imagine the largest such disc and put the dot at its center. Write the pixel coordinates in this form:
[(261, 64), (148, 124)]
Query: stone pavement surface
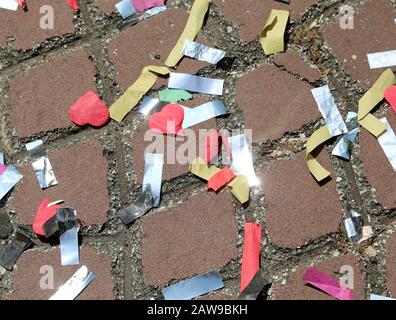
[(42, 72)]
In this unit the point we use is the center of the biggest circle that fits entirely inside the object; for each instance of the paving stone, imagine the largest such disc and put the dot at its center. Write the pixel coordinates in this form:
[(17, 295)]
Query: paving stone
[(193, 238), (294, 64), (373, 31), (25, 26), (81, 171), (107, 6), (391, 264), (171, 170), (296, 289), (30, 270), (269, 110), (5, 225), (132, 49), (298, 207), (48, 91), (377, 167), (251, 15)]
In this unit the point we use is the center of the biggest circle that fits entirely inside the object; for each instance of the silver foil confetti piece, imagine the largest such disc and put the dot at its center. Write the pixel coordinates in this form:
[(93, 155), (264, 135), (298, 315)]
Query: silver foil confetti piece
[(212, 109), (242, 161), (351, 120), (9, 5), (1, 158), (354, 226), (329, 110), (68, 236), (141, 206), (153, 11), (41, 164), (75, 285), (125, 8), (342, 148), (153, 165), (255, 286), (382, 59), (8, 179), (193, 83), (14, 249), (388, 143), (378, 297), (194, 287), (202, 53), (150, 105)]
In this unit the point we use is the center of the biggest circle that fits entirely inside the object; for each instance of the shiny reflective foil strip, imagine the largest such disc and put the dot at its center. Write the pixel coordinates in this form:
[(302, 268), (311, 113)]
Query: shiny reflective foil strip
[(68, 236), (8, 179), (75, 285), (255, 286), (387, 140), (354, 226), (202, 53), (153, 166), (212, 109), (382, 59), (242, 161), (125, 8), (329, 110), (41, 164), (194, 287), (193, 83), (150, 105)]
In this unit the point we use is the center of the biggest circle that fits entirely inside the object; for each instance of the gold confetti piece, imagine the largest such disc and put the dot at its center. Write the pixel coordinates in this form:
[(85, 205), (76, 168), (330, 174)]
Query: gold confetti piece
[(371, 99), (193, 26), (272, 36), (239, 185), (135, 92), (319, 137)]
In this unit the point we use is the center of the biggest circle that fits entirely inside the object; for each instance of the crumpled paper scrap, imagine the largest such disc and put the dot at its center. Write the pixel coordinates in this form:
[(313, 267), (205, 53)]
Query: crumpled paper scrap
[(273, 34)]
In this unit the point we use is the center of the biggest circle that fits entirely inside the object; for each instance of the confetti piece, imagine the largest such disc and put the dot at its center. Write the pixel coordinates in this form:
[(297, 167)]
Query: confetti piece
[(327, 284), (371, 99), (272, 36), (387, 140), (378, 297), (125, 8), (251, 253), (382, 59), (21, 3), (14, 249), (174, 95), (255, 286), (73, 4), (139, 207), (68, 236), (354, 226), (193, 26), (168, 121), (220, 179), (75, 285), (194, 287), (142, 5), (135, 92), (9, 5), (342, 147), (319, 137), (43, 214), (153, 164), (89, 109), (390, 97), (206, 111), (9, 177), (193, 83), (201, 52)]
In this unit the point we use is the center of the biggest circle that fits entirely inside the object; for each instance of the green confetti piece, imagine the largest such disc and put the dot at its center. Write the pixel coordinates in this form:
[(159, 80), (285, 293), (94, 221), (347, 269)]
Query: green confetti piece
[(174, 95)]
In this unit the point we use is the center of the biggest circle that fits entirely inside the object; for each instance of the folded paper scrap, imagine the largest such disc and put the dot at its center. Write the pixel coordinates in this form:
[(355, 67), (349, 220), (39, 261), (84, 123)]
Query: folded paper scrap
[(206, 111), (327, 284), (193, 83), (68, 236), (15, 248), (382, 59), (202, 53), (344, 146), (194, 287), (41, 164), (255, 287), (75, 285), (9, 177), (272, 37), (354, 226)]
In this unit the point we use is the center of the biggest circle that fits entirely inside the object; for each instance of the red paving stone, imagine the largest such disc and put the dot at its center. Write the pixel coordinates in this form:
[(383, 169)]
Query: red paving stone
[(81, 171), (107, 6), (25, 26), (352, 46), (269, 109), (294, 64), (170, 171), (27, 276), (377, 168), (251, 15), (298, 208), (190, 239), (39, 99), (391, 264), (132, 49), (296, 289)]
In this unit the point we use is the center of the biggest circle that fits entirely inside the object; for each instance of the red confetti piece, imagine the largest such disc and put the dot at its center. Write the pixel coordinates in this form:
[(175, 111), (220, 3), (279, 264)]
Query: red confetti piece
[(142, 5), (220, 179), (390, 96), (169, 120), (21, 3), (43, 214), (2, 168), (251, 253), (73, 4), (89, 109)]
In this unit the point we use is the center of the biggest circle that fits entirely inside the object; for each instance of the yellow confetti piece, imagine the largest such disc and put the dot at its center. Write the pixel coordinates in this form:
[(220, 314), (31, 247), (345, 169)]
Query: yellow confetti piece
[(239, 185), (371, 99), (135, 92), (319, 137), (272, 36), (193, 26)]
